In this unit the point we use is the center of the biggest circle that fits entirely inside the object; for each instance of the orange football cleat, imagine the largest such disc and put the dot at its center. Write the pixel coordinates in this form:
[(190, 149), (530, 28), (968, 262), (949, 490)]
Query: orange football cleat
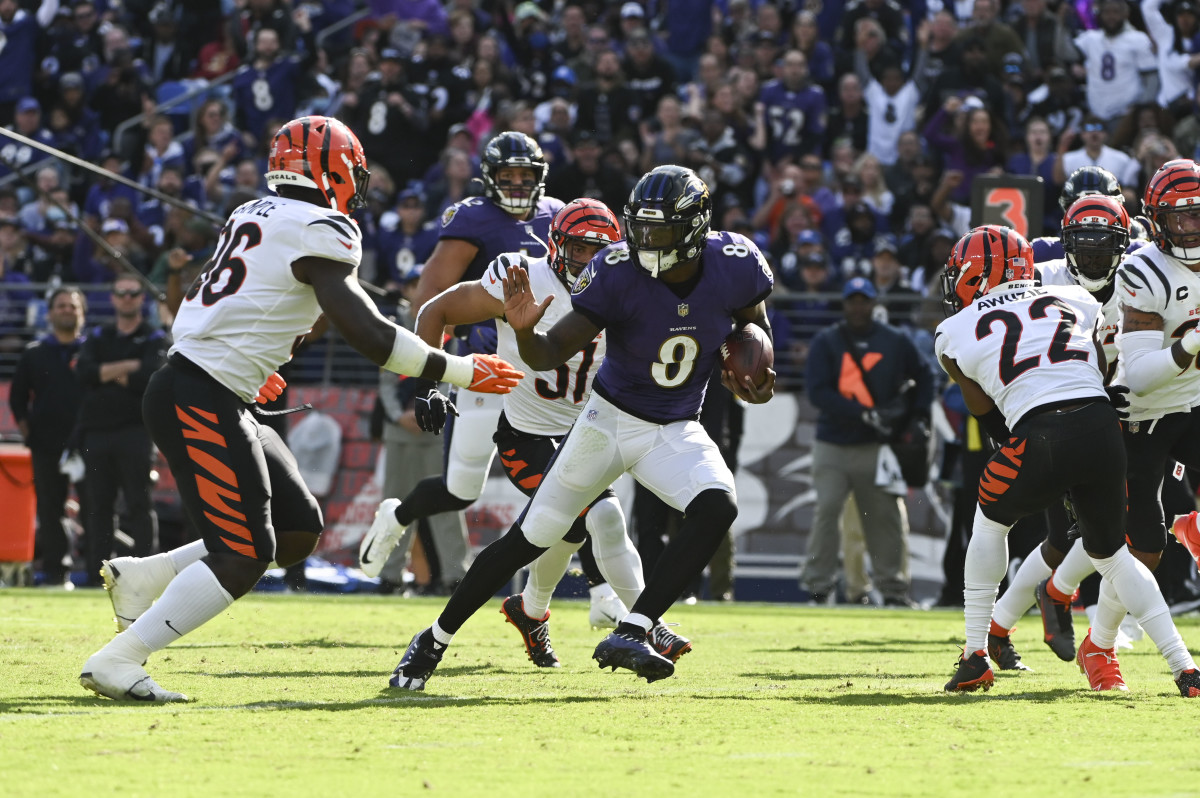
[(1185, 531), (1100, 665)]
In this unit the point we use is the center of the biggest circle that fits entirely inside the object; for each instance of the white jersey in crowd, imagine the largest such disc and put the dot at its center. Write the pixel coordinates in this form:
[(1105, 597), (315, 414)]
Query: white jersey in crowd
[(1114, 69), (1153, 282), (1055, 272), (244, 314), (544, 402), (1043, 367)]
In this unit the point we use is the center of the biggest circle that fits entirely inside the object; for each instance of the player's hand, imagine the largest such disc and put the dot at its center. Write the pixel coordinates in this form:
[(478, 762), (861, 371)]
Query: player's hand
[(494, 375), (521, 308), (747, 391), (432, 408), (271, 390), (1118, 399)]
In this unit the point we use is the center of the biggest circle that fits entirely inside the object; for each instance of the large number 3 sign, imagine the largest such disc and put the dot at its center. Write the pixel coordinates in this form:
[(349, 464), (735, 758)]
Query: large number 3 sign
[(1008, 200)]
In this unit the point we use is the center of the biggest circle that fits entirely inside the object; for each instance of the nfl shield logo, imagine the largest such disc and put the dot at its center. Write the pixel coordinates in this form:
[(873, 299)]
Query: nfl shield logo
[(683, 309), (529, 229), (592, 415)]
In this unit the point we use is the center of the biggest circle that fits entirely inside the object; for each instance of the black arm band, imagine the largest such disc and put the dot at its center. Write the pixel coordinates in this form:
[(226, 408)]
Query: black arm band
[(435, 367), (993, 422)]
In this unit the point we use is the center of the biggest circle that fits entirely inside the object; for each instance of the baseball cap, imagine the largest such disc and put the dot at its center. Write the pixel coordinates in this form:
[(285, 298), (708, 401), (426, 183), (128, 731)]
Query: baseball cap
[(632, 9), (412, 274), (565, 74), (885, 243), (1185, 5), (71, 80), (114, 226), (816, 259), (28, 104), (808, 237), (859, 285), (390, 54), (529, 10)]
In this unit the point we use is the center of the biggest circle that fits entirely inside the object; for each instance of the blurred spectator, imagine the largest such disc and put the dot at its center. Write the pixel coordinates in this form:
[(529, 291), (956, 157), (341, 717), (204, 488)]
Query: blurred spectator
[(388, 110), (454, 184), (80, 47), (266, 87), (853, 245), (122, 90), (115, 363), (886, 13), (791, 112), (998, 39), (1120, 62), (918, 234), (218, 57), (192, 246), (44, 398), (21, 32), (871, 52), (647, 74), (167, 57), (891, 282), (15, 155), (1047, 41), (818, 53), (14, 299), (589, 176), (561, 95), (970, 141), (855, 373), (688, 24), (892, 103), (257, 15), (874, 188), (970, 76), (664, 137), (405, 239), (211, 129), (1095, 152), (1039, 160), (1177, 45), (848, 119), (937, 49), (1061, 104), (162, 150), (726, 162), (75, 127)]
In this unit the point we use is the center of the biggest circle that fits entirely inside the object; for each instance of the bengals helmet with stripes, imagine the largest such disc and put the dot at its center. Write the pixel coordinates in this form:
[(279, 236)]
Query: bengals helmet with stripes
[(322, 153), (1172, 207), (1095, 233), (581, 221), (984, 258)]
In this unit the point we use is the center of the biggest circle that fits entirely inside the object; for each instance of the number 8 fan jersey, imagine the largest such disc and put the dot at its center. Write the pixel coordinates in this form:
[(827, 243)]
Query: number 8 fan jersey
[(243, 315), (545, 402), (1026, 347)]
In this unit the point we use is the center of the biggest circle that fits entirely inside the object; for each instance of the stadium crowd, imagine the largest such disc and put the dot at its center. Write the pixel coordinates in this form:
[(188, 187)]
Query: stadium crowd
[(842, 138)]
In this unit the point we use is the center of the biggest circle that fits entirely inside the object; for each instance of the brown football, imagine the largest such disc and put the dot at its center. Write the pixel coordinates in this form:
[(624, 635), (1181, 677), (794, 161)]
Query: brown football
[(747, 352)]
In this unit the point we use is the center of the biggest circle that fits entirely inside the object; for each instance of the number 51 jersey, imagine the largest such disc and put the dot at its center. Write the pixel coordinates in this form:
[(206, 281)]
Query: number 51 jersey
[(1026, 347), (243, 315)]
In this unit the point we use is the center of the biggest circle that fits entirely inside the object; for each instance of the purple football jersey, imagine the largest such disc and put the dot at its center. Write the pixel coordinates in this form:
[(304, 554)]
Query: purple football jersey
[(795, 119), (479, 221), (662, 348)]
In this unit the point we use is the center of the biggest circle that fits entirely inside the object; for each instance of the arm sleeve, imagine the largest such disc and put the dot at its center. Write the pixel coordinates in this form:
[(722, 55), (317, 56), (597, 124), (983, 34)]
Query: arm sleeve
[(1148, 366), (1158, 27)]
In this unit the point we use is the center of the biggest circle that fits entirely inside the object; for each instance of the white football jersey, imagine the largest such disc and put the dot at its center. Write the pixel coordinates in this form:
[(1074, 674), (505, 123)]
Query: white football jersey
[(544, 402), (1153, 282), (243, 315), (1055, 272), (1114, 68), (1026, 347)]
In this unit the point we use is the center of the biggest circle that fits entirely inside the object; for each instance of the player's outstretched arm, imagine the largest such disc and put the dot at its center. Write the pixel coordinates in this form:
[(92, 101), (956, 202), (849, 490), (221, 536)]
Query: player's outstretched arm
[(550, 349), (392, 347), (444, 267), (465, 303)]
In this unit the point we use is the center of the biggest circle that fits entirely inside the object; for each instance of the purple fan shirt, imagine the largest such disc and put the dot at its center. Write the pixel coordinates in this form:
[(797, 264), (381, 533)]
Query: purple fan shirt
[(662, 348)]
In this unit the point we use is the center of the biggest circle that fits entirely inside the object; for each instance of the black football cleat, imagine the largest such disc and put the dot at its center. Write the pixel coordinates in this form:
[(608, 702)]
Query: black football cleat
[(667, 643), (1189, 683), (973, 673), (1004, 654), (633, 653), (534, 633), (1057, 624), (418, 663)]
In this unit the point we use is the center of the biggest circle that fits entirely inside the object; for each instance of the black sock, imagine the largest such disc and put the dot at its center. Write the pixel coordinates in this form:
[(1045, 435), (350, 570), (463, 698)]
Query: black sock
[(429, 497), (587, 561), (705, 522), (630, 630), (492, 570)]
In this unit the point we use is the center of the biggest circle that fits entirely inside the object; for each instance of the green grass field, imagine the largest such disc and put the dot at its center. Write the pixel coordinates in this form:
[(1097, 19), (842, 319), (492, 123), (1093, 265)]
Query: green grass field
[(291, 699)]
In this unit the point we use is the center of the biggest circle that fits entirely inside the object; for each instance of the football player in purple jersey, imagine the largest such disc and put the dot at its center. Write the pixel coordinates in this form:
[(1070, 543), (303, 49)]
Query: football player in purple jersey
[(666, 298)]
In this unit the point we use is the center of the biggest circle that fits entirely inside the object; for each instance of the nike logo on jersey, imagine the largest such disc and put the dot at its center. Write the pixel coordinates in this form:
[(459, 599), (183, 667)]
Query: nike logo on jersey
[(344, 244)]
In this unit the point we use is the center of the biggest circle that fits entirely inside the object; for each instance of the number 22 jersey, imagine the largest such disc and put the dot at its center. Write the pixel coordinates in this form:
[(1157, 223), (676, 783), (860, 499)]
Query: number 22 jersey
[(243, 315), (1026, 347)]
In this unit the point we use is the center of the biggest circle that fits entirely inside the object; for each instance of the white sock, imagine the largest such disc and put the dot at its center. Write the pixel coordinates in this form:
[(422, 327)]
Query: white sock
[(186, 554), (440, 634), (193, 598), (1019, 597), (638, 619), (1075, 567), (1136, 589), (616, 556), (544, 575), (1107, 619), (986, 561)]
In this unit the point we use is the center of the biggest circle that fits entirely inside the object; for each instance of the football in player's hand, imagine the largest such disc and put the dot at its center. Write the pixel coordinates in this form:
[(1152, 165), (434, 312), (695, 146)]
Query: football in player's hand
[(747, 352)]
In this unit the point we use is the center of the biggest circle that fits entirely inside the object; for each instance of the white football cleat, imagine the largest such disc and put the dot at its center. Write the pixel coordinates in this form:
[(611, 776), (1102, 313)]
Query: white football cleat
[(122, 680), (132, 584), (381, 538), (607, 609)]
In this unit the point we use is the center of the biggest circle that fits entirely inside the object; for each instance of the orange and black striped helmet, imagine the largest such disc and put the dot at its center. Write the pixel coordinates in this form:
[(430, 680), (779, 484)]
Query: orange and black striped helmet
[(322, 153), (981, 260), (1095, 233), (1172, 195), (583, 221)]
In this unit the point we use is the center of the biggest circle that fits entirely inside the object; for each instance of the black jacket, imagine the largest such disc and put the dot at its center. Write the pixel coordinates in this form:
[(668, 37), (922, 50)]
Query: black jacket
[(45, 392), (107, 405)]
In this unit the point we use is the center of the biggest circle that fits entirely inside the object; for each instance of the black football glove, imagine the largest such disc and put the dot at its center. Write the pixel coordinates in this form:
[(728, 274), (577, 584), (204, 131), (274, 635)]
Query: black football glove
[(1118, 399), (432, 407)]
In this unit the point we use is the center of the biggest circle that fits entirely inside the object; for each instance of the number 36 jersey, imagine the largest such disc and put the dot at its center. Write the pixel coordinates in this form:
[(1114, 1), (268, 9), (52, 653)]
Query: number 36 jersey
[(243, 315), (1026, 347), (544, 402)]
